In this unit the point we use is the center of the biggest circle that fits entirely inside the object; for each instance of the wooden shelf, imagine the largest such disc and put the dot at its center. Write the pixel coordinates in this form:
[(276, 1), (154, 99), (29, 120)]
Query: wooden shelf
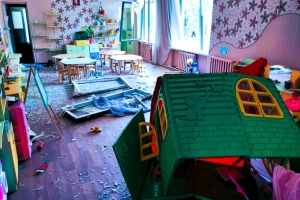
[(40, 35), (113, 44), (54, 38), (51, 26), (2, 56), (38, 23), (53, 14), (3, 102), (112, 23), (40, 48), (53, 49)]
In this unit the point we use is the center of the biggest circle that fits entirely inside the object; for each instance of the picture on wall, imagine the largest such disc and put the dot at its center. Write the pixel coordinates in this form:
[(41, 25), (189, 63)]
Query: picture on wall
[(76, 2)]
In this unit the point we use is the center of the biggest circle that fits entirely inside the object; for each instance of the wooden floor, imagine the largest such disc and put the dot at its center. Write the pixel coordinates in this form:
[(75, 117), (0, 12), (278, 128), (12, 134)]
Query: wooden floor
[(79, 167), (82, 164)]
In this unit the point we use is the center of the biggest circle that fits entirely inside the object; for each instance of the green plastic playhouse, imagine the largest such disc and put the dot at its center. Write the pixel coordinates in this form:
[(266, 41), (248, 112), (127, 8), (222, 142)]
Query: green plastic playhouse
[(204, 116)]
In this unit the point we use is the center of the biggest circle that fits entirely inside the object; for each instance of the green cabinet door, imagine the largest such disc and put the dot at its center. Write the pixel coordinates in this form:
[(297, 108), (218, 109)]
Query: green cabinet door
[(84, 50), (71, 49), (94, 48)]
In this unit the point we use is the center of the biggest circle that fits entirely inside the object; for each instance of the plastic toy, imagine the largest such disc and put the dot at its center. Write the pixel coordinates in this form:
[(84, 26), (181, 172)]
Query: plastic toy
[(221, 118), (256, 68), (192, 67), (42, 168), (96, 128)]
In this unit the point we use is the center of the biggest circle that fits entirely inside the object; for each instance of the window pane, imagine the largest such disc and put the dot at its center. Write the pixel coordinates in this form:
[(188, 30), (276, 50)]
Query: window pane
[(197, 19), (246, 97), (265, 98), (131, 21), (244, 85), (251, 110), (258, 88), (149, 25), (191, 23)]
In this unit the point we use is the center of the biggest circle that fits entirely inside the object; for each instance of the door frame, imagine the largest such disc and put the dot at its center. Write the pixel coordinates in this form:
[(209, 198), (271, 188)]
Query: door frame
[(5, 5)]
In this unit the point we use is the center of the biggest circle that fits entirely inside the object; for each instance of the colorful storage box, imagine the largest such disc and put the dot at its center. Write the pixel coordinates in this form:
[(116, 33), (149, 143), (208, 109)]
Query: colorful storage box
[(81, 42)]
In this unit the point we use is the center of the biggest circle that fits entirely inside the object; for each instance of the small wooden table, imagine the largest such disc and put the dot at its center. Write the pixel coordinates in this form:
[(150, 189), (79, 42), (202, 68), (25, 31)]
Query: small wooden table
[(122, 58), (63, 56), (77, 61), (109, 54)]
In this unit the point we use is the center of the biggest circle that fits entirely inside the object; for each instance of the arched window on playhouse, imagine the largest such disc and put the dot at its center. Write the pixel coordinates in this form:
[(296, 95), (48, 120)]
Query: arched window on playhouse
[(162, 117), (256, 100)]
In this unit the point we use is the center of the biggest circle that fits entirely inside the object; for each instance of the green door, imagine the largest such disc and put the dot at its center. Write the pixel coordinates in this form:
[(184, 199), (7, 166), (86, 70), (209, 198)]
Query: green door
[(127, 151)]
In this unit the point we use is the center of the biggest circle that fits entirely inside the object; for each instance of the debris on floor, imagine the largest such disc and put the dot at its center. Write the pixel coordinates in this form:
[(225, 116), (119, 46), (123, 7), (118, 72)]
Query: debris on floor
[(42, 168), (37, 189)]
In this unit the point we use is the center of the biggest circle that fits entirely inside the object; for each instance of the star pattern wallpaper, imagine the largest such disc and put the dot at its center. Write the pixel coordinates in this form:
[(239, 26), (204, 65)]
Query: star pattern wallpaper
[(73, 17), (241, 22)]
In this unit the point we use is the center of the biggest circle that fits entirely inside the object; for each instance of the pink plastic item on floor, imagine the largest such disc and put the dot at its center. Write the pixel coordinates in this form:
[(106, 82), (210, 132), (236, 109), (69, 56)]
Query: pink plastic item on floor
[(286, 184)]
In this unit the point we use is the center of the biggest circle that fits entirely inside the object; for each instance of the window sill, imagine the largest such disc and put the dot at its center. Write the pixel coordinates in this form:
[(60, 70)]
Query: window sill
[(198, 52)]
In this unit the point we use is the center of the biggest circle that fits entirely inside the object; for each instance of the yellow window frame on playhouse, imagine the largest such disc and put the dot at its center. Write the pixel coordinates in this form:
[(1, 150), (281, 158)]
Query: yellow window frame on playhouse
[(255, 100), (162, 117)]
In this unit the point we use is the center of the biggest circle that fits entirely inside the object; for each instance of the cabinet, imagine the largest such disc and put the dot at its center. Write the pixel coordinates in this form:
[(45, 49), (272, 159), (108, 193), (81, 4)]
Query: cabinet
[(21, 129), (94, 51), (8, 152), (84, 50)]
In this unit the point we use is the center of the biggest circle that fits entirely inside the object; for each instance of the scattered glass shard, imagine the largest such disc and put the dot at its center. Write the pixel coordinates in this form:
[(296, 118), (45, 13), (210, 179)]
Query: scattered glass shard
[(37, 189)]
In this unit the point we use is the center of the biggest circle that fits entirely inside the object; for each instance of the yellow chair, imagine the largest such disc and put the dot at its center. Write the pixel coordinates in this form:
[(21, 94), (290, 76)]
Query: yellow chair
[(62, 72), (115, 64), (138, 65), (74, 72), (82, 67), (90, 68)]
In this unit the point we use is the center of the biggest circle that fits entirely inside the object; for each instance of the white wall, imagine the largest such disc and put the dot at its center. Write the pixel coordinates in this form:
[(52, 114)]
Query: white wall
[(111, 8)]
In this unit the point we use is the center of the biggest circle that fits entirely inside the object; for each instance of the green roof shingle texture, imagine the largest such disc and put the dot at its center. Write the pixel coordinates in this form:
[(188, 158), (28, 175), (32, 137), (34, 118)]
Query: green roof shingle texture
[(205, 120)]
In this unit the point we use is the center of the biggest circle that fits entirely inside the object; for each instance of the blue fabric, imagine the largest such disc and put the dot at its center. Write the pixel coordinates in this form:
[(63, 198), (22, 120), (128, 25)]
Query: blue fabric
[(117, 108), (34, 65)]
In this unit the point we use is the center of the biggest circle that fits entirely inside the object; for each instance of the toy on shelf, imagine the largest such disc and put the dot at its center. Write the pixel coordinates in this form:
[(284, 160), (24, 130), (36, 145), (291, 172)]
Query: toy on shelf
[(202, 121)]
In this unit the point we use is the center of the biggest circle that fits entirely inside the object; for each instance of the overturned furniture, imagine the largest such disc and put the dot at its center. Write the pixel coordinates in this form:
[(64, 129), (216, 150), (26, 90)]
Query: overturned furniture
[(94, 85), (87, 108), (202, 122)]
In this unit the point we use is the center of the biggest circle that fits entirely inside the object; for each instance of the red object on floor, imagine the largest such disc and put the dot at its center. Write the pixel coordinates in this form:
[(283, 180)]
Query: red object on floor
[(42, 168), (293, 104), (257, 68), (224, 161)]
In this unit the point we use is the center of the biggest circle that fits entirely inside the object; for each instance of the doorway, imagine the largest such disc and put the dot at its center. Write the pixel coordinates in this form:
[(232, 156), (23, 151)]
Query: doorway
[(19, 31)]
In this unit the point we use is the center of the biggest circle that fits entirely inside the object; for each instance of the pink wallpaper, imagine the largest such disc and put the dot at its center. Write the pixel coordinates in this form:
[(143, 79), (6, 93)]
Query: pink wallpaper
[(241, 22), (73, 17), (279, 43)]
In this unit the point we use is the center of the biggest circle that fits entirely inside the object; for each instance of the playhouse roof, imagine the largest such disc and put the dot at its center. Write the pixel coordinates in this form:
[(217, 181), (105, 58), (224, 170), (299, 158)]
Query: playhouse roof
[(215, 126), (205, 120)]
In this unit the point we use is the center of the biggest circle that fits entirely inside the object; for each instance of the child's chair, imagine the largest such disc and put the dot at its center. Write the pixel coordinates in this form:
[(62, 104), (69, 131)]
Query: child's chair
[(138, 65), (91, 68), (74, 72), (62, 72), (125, 62), (82, 67)]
